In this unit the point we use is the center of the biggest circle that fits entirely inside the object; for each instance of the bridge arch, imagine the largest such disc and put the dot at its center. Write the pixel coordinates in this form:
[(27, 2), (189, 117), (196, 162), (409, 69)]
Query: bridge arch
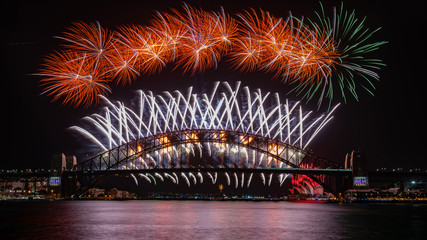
[(135, 156), (120, 157)]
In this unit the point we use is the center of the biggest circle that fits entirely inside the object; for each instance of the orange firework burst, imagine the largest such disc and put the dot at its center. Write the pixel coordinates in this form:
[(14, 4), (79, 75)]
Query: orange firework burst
[(265, 42), (225, 30), (149, 50), (207, 37), (91, 40), (283, 47), (170, 30), (307, 55), (194, 39), (122, 68), (73, 78), (311, 58)]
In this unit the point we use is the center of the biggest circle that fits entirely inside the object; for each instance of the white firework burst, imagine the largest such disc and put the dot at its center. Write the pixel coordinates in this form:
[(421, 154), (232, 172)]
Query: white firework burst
[(235, 109)]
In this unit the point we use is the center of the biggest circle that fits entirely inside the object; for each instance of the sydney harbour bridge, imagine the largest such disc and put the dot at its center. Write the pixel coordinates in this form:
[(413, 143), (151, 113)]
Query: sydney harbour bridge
[(187, 138), (241, 155)]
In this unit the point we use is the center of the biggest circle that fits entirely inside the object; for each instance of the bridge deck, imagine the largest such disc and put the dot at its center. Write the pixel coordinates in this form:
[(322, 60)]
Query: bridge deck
[(249, 170)]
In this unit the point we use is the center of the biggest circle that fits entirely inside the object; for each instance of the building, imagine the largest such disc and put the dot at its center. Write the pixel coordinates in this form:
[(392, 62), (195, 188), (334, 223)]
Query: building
[(59, 163), (356, 161)]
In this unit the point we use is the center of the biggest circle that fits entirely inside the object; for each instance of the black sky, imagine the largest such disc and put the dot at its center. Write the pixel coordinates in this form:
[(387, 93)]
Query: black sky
[(389, 127)]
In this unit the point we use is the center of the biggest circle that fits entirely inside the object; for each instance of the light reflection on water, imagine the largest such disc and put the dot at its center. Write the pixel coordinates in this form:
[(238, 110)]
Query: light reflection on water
[(210, 220)]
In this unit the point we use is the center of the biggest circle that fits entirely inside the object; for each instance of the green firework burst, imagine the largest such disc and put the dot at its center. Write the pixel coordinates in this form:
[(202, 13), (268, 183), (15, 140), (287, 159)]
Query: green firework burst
[(354, 70)]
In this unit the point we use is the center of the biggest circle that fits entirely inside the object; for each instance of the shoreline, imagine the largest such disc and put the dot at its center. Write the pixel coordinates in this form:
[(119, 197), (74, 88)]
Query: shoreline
[(221, 199)]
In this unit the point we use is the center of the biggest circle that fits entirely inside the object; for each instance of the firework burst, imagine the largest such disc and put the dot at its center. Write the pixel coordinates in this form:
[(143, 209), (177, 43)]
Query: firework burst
[(208, 122), (320, 59), (148, 50), (90, 41), (282, 46), (207, 37), (350, 71), (122, 69), (73, 78), (227, 108)]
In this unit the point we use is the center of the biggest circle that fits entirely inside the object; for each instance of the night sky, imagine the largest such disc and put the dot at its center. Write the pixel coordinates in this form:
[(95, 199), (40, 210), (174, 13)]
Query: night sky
[(389, 127)]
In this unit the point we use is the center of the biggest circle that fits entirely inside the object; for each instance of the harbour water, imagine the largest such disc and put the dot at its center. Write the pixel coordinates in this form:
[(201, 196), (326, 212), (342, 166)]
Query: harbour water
[(163, 219)]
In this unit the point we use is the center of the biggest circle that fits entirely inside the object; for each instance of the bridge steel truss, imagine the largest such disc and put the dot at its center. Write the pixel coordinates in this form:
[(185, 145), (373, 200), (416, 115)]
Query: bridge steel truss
[(123, 159)]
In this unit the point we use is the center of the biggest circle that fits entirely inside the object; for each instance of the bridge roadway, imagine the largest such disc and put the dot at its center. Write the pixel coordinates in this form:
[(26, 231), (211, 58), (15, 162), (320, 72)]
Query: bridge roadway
[(24, 176), (88, 178), (40, 176), (305, 171)]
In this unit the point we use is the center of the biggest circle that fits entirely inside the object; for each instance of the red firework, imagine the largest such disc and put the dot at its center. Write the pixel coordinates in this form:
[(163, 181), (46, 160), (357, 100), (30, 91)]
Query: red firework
[(207, 37), (283, 47), (312, 60), (193, 39), (91, 40), (147, 49), (72, 78), (122, 65)]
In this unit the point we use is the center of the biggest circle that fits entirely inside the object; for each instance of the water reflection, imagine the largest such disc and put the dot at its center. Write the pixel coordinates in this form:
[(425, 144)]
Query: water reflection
[(210, 220)]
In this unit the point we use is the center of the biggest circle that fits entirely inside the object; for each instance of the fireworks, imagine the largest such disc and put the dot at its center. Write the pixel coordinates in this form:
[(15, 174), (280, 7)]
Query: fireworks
[(317, 58), (236, 109), (207, 37), (225, 109), (90, 40), (74, 78), (284, 47), (352, 71)]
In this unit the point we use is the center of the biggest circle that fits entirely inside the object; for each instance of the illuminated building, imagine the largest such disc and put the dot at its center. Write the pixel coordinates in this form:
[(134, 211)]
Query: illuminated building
[(356, 161)]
